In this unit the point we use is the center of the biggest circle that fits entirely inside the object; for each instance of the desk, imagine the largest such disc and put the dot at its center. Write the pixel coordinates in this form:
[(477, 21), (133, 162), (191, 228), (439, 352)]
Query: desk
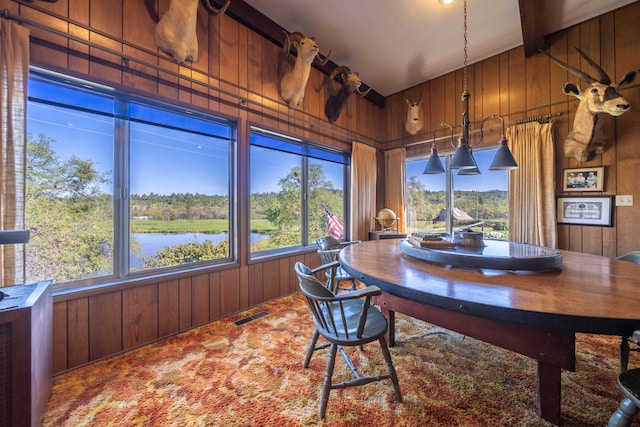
[(536, 314), (380, 235)]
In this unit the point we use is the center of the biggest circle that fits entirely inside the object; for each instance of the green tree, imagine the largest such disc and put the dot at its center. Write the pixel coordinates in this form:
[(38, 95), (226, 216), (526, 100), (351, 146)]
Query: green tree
[(284, 208), (69, 217)]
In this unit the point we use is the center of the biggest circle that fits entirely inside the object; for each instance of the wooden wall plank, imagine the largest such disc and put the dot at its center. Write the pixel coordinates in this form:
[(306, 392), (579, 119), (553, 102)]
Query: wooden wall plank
[(284, 279), (229, 295), (105, 325), (184, 303), (271, 280), (256, 284), (60, 328), (200, 299), (214, 295), (139, 315), (168, 307), (78, 332)]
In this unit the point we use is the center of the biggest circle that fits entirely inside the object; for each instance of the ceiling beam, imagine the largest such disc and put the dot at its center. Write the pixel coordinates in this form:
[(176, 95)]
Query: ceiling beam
[(261, 24), (531, 21)]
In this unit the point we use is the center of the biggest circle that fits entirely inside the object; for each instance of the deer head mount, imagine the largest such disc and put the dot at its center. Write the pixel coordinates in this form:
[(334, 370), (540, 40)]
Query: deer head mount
[(176, 30), (415, 119), (294, 80), (584, 140), (338, 99)]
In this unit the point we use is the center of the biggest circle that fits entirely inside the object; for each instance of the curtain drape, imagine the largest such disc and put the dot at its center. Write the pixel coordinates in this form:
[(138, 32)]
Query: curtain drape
[(14, 70), (394, 173), (363, 190), (532, 186)]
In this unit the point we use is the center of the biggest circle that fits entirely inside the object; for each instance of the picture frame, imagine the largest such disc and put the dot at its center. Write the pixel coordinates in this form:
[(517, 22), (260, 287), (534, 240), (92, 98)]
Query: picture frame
[(585, 210), (583, 179)]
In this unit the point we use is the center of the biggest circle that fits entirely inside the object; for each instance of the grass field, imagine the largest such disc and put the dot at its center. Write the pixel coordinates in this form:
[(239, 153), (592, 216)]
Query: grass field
[(207, 226)]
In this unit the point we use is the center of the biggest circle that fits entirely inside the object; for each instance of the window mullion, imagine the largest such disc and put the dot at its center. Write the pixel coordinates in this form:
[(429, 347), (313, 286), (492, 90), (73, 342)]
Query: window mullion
[(121, 191)]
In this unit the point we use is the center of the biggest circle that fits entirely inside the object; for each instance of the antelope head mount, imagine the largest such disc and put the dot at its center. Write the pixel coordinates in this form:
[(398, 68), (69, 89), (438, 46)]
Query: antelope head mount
[(584, 140), (415, 119)]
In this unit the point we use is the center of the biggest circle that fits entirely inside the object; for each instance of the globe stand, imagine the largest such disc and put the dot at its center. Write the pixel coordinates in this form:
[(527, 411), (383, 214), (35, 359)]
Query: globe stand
[(387, 221)]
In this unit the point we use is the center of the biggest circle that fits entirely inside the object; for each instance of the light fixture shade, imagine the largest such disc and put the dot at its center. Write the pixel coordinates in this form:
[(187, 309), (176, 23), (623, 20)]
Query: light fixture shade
[(434, 165), (503, 159), (462, 158), (470, 171)]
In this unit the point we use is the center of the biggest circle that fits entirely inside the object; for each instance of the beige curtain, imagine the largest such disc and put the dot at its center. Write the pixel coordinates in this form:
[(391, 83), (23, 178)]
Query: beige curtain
[(363, 190), (532, 186), (394, 173), (14, 70)]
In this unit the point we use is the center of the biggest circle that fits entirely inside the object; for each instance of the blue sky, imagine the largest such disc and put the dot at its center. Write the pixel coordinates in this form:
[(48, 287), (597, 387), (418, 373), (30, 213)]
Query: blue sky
[(164, 161)]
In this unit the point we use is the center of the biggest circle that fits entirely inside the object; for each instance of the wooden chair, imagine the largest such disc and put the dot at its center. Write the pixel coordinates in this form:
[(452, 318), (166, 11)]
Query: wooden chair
[(328, 249), (629, 383), (632, 342), (346, 319)]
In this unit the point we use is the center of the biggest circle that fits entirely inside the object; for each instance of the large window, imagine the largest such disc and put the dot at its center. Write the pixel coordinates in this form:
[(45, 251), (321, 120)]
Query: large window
[(118, 185), (292, 183), (472, 199)]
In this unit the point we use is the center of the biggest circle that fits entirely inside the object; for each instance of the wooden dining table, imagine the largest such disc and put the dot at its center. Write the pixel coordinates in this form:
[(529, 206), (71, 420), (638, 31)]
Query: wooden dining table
[(534, 313)]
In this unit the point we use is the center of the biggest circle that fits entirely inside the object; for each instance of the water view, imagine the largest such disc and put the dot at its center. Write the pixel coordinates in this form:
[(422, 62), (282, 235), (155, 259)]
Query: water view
[(151, 243)]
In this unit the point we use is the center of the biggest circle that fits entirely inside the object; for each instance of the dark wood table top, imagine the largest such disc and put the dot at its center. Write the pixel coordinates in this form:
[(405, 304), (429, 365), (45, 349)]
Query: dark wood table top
[(588, 293)]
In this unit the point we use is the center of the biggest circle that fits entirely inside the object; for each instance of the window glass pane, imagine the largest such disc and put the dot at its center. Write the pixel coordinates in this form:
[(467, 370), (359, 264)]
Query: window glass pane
[(47, 92), (483, 198), (69, 187), (426, 195), (325, 189), (276, 195), (179, 202)]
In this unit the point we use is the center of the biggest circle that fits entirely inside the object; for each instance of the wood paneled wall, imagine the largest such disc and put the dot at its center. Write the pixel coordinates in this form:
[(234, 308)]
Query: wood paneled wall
[(510, 85), (96, 323)]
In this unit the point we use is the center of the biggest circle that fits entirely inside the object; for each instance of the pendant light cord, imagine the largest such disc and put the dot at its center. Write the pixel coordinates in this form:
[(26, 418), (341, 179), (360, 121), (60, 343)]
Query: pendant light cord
[(464, 70)]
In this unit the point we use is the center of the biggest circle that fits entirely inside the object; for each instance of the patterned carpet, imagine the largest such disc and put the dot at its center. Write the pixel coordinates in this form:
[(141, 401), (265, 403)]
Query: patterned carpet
[(251, 375)]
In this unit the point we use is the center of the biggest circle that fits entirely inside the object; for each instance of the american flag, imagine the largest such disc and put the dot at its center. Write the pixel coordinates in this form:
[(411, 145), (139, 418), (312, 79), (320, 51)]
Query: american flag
[(336, 226)]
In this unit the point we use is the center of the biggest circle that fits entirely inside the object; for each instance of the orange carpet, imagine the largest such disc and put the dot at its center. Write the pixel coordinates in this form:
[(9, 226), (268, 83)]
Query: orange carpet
[(251, 375)]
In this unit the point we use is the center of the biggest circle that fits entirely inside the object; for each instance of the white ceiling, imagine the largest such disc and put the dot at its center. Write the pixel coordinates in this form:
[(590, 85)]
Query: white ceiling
[(397, 44)]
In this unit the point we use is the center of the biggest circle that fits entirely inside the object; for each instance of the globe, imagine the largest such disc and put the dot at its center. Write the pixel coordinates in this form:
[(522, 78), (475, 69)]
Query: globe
[(386, 218)]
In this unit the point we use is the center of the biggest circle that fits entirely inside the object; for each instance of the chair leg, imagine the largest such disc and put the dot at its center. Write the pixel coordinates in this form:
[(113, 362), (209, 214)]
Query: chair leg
[(624, 414), (311, 348), (624, 354), (326, 388), (390, 368)]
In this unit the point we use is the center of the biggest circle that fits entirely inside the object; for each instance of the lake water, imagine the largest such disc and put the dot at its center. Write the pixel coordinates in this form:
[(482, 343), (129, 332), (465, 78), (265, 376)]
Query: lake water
[(151, 243)]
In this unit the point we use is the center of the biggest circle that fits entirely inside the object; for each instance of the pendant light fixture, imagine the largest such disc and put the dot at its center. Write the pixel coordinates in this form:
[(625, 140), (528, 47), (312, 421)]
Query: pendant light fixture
[(463, 159)]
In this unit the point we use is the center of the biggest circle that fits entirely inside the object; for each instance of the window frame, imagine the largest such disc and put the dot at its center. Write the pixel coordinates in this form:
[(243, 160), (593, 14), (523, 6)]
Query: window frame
[(449, 182), (121, 174), (307, 150)]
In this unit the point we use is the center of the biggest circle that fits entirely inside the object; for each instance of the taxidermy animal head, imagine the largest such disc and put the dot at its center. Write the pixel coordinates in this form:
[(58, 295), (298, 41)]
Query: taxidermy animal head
[(294, 80), (337, 100), (415, 120), (584, 140), (176, 30)]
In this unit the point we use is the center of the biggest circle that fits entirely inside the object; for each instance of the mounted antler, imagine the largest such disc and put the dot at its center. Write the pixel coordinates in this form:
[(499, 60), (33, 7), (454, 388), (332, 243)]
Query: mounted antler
[(603, 97)]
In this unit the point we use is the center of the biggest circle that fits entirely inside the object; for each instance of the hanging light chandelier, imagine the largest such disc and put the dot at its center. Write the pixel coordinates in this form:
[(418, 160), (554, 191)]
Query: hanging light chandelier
[(463, 159)]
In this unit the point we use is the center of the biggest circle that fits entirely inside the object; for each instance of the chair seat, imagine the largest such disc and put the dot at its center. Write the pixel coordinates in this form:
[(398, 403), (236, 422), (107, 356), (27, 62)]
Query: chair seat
[(375, 327)]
